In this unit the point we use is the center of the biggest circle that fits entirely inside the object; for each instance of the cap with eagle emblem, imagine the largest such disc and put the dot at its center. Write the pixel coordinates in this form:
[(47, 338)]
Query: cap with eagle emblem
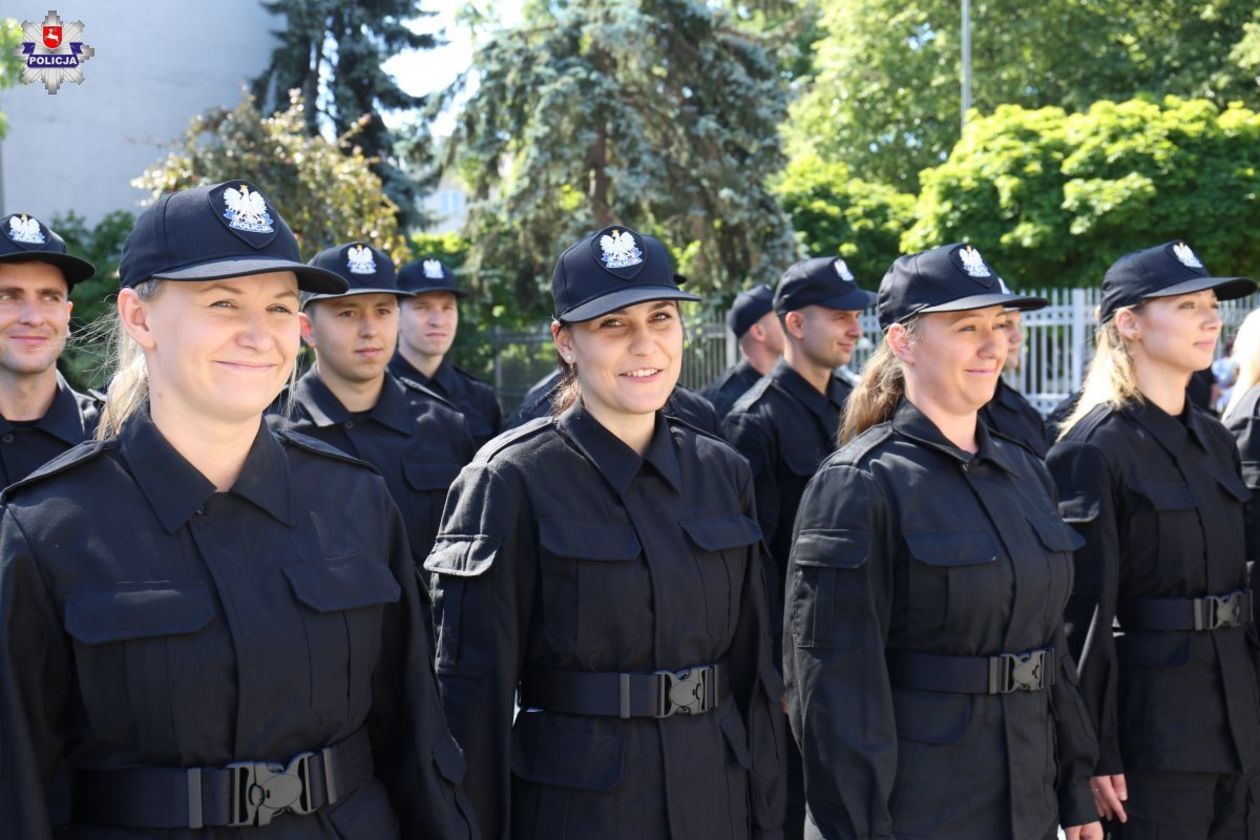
[(611, 269), (216, 231), (1163, 271), (428, 274), (26, 238), (366, 270), (820, 281)]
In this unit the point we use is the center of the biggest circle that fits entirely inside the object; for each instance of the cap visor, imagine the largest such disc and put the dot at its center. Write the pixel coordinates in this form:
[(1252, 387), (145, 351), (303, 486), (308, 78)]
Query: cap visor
[(613, 301), (353, 292), (983, 301), (1227, 288), (310, 278), (74, 269), (852, 301), (424, 290)]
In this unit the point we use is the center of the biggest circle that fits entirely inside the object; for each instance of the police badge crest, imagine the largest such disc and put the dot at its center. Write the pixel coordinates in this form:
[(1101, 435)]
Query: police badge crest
[(842, 269), (1186, 256), (25, 230), (973, 263), (433, 270), (246, 210), (359, 260), (619, 249), (52, 53)]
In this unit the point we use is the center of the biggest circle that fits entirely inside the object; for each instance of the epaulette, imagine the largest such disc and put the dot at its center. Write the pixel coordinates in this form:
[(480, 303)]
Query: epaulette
[(408, 382), (503, 440), (78, 454), (858, 448), (1090, 421), (318, 447), (680, 421), (468, 375), (1005, 438), (750, 397)]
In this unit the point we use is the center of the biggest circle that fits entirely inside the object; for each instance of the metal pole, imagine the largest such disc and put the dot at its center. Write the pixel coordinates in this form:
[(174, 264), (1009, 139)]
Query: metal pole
[(966, 60)]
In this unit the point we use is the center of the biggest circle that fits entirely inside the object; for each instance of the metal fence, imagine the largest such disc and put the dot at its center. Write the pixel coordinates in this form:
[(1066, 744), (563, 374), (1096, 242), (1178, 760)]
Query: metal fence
[(1058, 343)]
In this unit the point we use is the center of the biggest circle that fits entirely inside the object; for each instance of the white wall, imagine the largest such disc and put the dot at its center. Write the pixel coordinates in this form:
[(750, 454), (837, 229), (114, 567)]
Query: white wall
[(158, 63)]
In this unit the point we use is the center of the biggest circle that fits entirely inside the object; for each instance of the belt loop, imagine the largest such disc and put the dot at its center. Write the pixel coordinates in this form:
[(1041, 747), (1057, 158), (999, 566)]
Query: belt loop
[(195, 819), (624, 703), (330, 774)]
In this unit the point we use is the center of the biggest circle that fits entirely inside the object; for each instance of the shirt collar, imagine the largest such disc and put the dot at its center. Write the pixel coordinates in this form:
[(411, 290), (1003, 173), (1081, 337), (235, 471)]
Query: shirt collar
[(618, 463), (391, 408), (1170, 431), (824, 405), (912, 423), (62, 420), (176, 489)]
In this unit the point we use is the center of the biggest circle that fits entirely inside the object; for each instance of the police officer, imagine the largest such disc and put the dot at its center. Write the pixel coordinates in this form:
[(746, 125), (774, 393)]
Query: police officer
[(40, 415), (1242, 417), (1153, 486), (605, 561), (757, 330), (929, 682), (1009, 413), (212, 628), (414, 437), (683, 404), (430, 317)]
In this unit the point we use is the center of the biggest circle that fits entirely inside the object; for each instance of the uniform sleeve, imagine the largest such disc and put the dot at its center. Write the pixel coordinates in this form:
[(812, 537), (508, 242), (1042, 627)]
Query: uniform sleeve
[(35, 680), (417, 758), (484, 574), (749, 434), (839, 593), (1087, 503), (758, 689)]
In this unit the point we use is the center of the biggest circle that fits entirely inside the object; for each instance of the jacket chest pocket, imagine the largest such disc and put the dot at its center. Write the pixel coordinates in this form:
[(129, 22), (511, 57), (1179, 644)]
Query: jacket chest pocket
[(426, 484), (596, 595), (952, 577), (722, 544), (1059, 541), (128, 639), (342, 602), (1165, 512)]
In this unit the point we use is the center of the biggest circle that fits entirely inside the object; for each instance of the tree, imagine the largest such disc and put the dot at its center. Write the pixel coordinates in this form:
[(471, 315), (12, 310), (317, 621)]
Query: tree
[(1054, 198), (334, 53), (657, 114), (10, 64), (886, 94)]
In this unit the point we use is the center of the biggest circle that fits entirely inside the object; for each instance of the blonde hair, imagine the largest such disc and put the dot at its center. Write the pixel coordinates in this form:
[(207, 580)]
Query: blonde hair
[(1247, 352), (875, 397), (1111, 378), (129, 379)]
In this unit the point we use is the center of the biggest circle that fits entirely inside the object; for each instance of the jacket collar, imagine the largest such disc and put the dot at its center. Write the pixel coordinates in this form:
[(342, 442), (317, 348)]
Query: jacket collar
[(912, 423), (391, 409), (1170, 431), (62, 420), (618, 463), (825, 406)]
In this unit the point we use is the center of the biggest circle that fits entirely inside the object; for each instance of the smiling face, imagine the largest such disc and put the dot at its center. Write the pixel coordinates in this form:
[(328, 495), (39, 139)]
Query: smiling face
[(353, 336), (429, 322), (34, 317), (956, 358), (218, 350), (826, 337), (1176, 334), (628, 361)]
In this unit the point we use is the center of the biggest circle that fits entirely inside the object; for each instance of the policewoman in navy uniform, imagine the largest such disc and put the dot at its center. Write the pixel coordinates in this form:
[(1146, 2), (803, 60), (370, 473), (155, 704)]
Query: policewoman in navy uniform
[(430, 318), (207, 628), (759, 335), (41, 416), (415, 438), (605, 563), (683, 404), (1160, 610), (929, 682)]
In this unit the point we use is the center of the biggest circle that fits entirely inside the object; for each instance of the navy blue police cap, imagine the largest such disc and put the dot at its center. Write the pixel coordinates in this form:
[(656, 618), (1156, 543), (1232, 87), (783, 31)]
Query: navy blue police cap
[(749, 307), (428, 274), (610, 270), (952, 278), (216, 231), (1163, 271), (27, 238), (365, 269), (821, 281)]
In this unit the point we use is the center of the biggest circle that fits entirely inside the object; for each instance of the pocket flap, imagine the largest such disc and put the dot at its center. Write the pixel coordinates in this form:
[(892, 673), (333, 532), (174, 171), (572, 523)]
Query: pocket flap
[(137, 611), (449, 760), (1080, 508), (346, 583), (715, 533), (1251, 474), (1234, 485), (831, 549), (549, 752), (1057, 535), (429, 475), (461, 555), (1168, 495), (802, 462), (959, 547), (588, 542)]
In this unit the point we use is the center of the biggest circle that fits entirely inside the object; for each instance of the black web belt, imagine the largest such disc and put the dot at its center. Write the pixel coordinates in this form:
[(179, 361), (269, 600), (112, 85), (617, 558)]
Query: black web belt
[(1002, 674), (238, 795), (1210, 612), (660, 694)]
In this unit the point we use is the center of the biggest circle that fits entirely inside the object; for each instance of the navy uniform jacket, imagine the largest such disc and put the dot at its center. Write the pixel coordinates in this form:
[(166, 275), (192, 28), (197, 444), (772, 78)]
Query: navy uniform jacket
[(1159, 502), (146, 620), (71, 419), (905, 542), (1011, 415), (730, 386), (472, 397), (561, 548), (413, 437), (785, 428), (686, 405)]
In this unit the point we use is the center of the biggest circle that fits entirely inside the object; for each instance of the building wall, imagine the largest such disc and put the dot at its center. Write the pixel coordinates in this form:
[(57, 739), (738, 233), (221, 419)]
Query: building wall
[(158, 64)]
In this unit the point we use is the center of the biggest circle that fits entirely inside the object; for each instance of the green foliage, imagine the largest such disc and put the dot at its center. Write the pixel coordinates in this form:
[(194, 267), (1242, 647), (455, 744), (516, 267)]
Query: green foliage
[(657, 114), (1054, 198), (326, 191), (10, 63), (835, 213)]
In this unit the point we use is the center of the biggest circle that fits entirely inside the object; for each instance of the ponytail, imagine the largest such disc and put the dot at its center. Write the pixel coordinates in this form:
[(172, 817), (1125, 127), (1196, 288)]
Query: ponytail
[(129, 384), (1111, 378), (878, 392)]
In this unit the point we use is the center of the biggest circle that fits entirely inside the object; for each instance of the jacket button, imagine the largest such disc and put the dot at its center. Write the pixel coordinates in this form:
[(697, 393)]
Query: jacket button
[(349, 424), (8, 438)]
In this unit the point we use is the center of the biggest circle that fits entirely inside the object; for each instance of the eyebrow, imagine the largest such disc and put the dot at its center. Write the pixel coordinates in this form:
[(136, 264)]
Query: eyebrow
[(46, 290), (232, 290), (657, 305)]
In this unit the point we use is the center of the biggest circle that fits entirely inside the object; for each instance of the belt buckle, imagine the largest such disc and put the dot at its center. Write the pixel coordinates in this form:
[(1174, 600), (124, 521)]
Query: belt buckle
[(263, 790), (684, 692), (1011, 672), (1219, 611)]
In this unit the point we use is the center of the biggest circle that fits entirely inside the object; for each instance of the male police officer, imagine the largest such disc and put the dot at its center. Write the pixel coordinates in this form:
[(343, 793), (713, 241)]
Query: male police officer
[(430, 317), (760, 336), (40, 416)]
